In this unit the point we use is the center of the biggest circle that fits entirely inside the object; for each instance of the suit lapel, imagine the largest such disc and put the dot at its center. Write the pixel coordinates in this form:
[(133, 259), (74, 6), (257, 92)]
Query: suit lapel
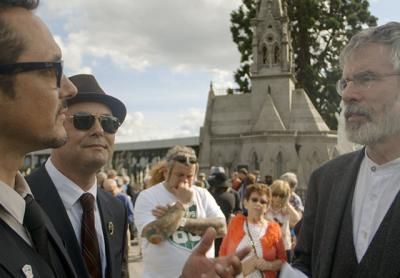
[(342, 189), (107, 216), (52, 204)]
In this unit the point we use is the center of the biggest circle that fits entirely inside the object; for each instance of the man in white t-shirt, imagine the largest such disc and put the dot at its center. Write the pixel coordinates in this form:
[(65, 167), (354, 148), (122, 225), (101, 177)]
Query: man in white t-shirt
[(172, 216)]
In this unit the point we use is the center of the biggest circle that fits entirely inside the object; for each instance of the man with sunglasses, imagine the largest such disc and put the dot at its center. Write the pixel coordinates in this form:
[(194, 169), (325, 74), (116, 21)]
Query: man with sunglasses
[(351, 224), (173, 215), (91, 222), (33, 92)]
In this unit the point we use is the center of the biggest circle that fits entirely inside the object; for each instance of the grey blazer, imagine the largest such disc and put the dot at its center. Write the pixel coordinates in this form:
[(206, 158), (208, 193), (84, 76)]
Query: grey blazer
[(330, 189), (111, 211)]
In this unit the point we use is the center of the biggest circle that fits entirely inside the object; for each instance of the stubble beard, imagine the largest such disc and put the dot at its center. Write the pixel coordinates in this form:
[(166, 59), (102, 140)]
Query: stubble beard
[(55, 142)]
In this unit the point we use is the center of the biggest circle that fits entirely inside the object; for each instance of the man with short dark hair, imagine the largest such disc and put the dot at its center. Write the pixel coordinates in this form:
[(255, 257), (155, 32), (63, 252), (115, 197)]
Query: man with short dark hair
[(33, 91), (67, 185)]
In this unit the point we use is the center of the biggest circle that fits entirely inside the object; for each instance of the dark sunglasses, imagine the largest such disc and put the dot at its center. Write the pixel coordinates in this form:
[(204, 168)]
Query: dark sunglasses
[(85, 121), (261, 201), (282, 196), (185, 159), (15, 68)]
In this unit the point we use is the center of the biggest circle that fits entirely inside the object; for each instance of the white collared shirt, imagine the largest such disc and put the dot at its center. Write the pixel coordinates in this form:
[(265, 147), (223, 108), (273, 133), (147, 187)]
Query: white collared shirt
[(12, 206), (70, 193), (375, 191), (376, 188)]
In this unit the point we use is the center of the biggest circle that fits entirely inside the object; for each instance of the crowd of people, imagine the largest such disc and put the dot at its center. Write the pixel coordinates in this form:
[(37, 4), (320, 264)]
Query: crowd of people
[(60, 221), (243, 210)]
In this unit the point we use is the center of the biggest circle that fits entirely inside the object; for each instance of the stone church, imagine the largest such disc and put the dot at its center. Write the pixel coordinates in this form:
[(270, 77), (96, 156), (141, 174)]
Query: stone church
[(275, 128)]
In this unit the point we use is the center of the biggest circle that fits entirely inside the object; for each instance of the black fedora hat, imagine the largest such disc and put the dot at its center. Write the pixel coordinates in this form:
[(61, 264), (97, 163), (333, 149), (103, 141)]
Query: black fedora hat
[(218, 180), (90, 91)]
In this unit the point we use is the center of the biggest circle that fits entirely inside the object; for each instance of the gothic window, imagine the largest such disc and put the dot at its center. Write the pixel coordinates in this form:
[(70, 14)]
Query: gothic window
[(264, 54), (314, 161), (255, 163), (279, 164), (276, 54)]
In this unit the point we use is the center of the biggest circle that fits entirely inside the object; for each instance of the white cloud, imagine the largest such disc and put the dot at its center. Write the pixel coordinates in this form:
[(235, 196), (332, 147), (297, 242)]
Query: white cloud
[(72, 53), (137, 128), (179, 34), (192, 119)]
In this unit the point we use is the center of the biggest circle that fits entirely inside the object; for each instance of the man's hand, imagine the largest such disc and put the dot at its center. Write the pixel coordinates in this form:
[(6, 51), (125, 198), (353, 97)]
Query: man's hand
[(183, 192), (159, 211), (199, 266)]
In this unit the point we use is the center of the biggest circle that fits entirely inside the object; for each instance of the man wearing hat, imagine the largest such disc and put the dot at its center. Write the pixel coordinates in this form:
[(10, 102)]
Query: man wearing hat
[(91, 222), (225, 198)]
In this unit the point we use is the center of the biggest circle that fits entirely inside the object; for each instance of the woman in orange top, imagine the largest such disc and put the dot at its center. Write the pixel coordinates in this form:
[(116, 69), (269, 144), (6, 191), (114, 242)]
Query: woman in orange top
[(264, 236)]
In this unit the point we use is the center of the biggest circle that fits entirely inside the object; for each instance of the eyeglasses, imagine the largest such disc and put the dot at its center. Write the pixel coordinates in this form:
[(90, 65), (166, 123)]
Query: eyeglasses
[(9, 69), (85, 121), (362, 80), (185, 159), (280, 195), (259, 200)]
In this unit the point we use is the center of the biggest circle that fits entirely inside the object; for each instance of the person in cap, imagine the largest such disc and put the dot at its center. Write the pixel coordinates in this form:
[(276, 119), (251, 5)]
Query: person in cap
[(33, 91), (91, 222)]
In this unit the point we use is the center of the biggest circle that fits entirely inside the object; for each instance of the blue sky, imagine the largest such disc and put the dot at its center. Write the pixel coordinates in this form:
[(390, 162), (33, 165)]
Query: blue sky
[(158, 57)]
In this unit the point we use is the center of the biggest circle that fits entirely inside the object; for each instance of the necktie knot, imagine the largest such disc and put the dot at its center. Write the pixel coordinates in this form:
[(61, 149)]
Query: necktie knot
[(87, 202)]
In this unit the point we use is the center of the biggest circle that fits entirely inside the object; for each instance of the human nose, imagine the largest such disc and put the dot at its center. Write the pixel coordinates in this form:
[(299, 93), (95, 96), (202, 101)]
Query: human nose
[(67, 88), (97, 127), (351, 92)]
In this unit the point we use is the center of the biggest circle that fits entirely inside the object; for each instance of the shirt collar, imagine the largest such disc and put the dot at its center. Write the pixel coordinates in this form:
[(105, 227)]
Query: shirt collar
[(69, 191), (12, 200), (386, 167)]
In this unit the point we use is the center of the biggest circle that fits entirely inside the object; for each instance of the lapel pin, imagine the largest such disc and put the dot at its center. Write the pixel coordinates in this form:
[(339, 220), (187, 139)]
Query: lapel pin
[(27, 270), (110, 226)]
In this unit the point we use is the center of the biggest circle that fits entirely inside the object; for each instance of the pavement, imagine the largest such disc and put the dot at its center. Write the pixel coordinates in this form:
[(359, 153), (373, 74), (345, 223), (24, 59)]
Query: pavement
[(135, 260)]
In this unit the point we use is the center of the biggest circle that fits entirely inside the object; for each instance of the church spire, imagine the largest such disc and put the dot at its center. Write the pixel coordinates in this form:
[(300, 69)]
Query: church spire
[(272, 51)]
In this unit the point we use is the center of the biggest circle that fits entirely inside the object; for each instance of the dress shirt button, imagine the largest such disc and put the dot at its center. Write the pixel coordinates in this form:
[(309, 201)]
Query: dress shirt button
[(372, 197), (373, 168), (364, 234)]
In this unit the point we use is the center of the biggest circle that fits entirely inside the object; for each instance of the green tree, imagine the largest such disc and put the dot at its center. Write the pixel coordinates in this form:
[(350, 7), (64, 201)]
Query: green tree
[(320, 29)]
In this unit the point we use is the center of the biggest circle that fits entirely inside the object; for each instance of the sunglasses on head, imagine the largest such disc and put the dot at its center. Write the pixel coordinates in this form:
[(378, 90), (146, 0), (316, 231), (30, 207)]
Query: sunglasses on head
[(280, 195), (9, 69), (85, 121), (185, 159), (259, 200)]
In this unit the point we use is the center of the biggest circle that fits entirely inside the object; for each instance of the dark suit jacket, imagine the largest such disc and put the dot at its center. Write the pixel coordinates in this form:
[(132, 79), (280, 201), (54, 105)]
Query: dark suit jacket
[(15, 254), (329, 191), (111, 211)]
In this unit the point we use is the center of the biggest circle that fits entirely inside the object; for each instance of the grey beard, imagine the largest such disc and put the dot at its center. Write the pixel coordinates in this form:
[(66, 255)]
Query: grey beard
[(374, 131)]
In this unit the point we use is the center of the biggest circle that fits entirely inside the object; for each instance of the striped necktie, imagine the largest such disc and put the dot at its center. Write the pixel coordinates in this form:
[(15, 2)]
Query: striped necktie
[(90, 244)]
